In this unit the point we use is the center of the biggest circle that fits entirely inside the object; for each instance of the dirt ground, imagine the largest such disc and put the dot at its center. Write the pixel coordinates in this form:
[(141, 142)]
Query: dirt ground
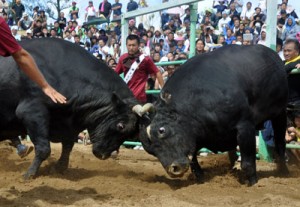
[(135, 178)]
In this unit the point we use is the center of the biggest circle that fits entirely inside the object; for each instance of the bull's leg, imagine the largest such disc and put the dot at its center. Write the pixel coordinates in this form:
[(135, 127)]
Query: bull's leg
[(196, 169), (279, 126), (232, 158), (63, 162), (246, 140), (35, 118)]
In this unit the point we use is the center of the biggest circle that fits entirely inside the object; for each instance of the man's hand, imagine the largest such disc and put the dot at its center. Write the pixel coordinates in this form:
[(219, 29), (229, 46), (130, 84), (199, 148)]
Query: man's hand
[(54, 95)]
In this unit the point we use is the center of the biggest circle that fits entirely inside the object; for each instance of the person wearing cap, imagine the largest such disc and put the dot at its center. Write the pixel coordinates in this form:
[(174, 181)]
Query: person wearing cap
[(223, 23), (74, 10), (14, 32), (145, 67), (18, 9), (25, 22)]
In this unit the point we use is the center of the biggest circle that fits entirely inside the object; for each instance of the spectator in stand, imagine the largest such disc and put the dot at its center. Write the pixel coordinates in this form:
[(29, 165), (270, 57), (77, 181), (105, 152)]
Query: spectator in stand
[(177, 21), (291, 29), (279, 45), (258, 15), (37, 29), (35, 14), (18, 9), (77, 41), (53, 33), (137, 81), (209, 18), (141, 29), (262, 38), (14, 32), (25, 22), (282, 19), (165, 18), (220, 6), (171, 26), (131, 24), (143, 48), (3, 7), (103, 49), (117, 52), (105, 9), (233, 11), (103, 35), (247, 13), (293, 137), (117, 7), (62, 21), (180, 47), (236, 26), (43, 18), (157, 36), (208, 36), (241, 30), (291, 53), (78, 22), (117, 28), (223, 23), (68, 36), (74, 11), (221, 40), (56, 27), (90, 12), (238, 4), (45, 32), (229, 36), (131, 6)]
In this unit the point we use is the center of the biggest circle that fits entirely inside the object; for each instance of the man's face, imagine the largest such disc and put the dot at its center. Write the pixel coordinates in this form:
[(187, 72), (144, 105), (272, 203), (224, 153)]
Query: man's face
[(132, 47), (289, 51), (14, 31)]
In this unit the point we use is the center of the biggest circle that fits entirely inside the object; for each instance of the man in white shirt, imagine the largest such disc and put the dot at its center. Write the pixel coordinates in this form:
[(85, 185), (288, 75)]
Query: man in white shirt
[(14, 32), (247, 12), (223, 22), (91, 12), (69, 37), (103, 49)]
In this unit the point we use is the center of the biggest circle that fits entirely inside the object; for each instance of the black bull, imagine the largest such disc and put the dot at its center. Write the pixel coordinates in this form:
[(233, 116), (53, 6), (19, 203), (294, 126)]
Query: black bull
[(98, 100), (218, 100)]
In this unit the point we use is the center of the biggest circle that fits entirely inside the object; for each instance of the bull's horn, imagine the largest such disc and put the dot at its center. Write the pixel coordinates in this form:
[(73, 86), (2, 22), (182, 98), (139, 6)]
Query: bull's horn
[(148, 107), (148, 131), (166, 97), (138, 109), (190, 157)]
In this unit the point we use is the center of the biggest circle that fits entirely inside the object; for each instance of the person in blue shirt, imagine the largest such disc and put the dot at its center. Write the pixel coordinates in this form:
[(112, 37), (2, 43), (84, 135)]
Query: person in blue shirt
[(131, 6), (117, 7), (220, 7)]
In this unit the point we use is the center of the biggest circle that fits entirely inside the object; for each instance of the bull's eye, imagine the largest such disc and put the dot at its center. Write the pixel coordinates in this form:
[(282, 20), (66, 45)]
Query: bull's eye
[(162, 130), (120, 126)]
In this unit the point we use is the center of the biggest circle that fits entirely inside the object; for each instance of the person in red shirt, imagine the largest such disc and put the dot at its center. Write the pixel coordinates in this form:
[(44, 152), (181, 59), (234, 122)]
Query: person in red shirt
[(10, 47), (145, 68)]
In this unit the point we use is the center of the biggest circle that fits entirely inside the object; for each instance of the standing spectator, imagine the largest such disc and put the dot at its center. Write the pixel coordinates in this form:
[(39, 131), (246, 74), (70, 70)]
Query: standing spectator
[(142, 4), (138, 79), (291, 29), (105, 9), (74, 10), (25, 22), (220, 7), (18, 9), (90, 12), (131, 6), (14, 32), (117, 7), (3, 7), (62, 21)]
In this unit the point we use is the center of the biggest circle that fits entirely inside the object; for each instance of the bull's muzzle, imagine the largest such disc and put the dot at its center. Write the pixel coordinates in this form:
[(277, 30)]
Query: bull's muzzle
[(177, 170)]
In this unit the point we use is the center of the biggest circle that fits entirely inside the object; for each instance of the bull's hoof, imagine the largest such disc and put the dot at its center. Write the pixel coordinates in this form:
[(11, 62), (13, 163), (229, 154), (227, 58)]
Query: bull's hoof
[(252, 181), (199, 176), (28, 176), (61, 167), (283, 171)]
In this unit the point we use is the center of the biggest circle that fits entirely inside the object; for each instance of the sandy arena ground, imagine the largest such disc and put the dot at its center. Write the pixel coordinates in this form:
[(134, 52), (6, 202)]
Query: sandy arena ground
[(138, 179)]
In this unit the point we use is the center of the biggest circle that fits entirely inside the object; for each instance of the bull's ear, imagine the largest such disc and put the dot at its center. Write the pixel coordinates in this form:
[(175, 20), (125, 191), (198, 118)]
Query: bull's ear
[(115, 100)]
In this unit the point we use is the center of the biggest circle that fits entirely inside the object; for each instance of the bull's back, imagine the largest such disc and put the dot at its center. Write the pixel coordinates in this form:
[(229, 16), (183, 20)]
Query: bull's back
[(227, 75)]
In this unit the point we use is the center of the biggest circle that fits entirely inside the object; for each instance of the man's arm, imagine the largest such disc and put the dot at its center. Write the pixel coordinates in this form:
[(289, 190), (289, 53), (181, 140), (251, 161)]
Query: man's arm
[(160, 79), (28, 65)]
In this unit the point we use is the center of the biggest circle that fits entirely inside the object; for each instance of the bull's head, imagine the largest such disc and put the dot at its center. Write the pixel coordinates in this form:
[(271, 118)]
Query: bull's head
[(169, 138), (111, 124)]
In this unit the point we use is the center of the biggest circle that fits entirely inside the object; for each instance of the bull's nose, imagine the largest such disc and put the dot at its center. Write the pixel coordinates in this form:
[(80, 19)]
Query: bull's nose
[(177, 170)]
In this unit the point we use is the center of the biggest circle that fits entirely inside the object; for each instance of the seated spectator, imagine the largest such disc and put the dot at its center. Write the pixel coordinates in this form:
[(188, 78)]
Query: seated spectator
[(158, 48), (45, 32), (291, 53), (293, 137), (229, 36), (14, 31), (232, 11), (221, 40), (157, 36), (210, 18), (62, 21), (247, 13), (25, 22), (262, 38), (200, 45), (291, 29), (279, 45), (258, 15), (223, 22), (131, 24), (43, 18), (171, 26), (141, 30), (241, 30), (37, 29), (180, 47), (103, 49), (143, 48), (177, 22), (53, 33), (77, 41), (28, 35), (103, 35)]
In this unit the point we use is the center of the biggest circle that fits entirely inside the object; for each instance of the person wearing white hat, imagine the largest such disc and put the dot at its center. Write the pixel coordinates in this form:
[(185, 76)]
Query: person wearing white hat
[(25, 22), (14, 32)]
